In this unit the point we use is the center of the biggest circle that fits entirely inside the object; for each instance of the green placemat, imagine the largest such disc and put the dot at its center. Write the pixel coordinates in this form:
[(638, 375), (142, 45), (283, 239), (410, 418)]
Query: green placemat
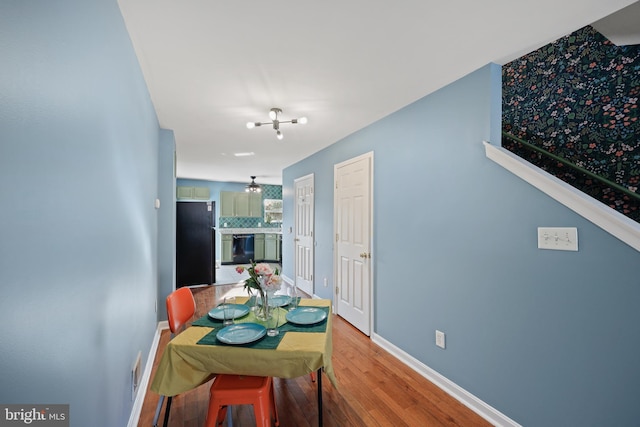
[(317, 327), (251, 302), (207, 321), (265, 342), (212, 323)]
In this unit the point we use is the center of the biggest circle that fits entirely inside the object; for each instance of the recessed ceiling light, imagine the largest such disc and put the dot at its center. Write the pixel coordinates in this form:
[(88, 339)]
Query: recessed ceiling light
[(251, 153)]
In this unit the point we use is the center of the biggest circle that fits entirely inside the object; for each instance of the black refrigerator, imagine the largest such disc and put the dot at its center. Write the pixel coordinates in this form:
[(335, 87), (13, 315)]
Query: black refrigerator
[(195, 243)]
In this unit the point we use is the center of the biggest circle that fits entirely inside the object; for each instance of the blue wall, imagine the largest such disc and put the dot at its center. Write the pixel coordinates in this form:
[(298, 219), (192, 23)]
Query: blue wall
[(166, 221), (79, 166), (548, 338)]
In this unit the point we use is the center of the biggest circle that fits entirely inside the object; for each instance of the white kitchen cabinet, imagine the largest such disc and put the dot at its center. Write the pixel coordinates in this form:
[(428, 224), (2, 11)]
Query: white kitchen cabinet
[(272, 210)]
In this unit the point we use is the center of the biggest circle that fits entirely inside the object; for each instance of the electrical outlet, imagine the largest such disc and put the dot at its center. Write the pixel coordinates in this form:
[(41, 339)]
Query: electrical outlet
[(440, 339)]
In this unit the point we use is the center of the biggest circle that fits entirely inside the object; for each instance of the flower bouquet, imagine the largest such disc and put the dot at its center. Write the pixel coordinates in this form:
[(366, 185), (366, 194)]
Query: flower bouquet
[(265, 281)]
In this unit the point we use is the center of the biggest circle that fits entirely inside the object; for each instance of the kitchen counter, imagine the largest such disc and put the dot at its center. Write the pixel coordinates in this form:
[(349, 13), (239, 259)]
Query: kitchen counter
[(256, 230)]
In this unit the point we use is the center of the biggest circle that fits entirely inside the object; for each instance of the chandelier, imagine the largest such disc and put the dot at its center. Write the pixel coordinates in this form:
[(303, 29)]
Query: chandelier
[(253, 187), (274, 115)]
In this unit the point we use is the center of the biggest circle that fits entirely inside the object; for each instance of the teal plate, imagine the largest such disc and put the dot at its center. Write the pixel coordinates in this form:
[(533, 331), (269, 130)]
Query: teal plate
[(241, 333), (279, 301), (218, 312), (306, 315)]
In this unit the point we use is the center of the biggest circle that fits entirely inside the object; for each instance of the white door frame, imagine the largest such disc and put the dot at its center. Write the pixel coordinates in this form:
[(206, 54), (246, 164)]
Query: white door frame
[(307, 284), (369, 156)]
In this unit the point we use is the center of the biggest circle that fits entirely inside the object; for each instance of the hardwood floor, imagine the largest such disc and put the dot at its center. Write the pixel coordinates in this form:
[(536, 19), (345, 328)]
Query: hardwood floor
[(374, 388)]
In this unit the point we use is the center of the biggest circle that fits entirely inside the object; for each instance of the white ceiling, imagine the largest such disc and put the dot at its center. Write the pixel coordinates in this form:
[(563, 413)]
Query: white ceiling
[(211, 66), (622, 27)]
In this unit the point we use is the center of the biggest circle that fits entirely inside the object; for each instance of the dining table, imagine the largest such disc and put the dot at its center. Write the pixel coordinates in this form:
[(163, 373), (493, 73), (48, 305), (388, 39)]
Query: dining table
[(197, 354)]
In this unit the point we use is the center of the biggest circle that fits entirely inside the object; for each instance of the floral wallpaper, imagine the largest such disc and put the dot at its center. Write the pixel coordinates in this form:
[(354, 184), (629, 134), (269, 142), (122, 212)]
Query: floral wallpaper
[(578, 99)]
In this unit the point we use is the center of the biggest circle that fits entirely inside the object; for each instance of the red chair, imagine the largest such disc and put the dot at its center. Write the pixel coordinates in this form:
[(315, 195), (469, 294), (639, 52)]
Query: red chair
[(180, 309), (228, 390)]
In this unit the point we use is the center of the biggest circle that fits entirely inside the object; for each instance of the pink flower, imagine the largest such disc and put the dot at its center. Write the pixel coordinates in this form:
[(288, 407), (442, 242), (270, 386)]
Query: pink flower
[(272, 283), (263, 269), (275, 280), (239, 269)]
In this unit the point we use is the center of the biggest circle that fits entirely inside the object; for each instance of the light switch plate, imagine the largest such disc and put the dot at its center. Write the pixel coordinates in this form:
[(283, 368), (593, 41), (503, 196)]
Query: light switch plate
[(558, 238)]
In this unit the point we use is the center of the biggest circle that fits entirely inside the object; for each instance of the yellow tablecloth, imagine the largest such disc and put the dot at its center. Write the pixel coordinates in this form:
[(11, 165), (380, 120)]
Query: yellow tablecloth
[(186, 365)]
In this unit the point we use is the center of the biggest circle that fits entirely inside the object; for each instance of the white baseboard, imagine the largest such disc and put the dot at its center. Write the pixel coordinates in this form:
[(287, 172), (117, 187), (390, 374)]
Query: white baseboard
[(487, 412), (287, 279), (146, 375)]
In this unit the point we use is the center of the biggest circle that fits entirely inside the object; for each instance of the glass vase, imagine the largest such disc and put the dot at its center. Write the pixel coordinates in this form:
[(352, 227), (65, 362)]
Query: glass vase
[(262, 311)]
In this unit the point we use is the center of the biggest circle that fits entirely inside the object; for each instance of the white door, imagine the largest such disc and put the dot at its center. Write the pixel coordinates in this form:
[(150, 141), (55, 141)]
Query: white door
[(303, 188), (352, 204)]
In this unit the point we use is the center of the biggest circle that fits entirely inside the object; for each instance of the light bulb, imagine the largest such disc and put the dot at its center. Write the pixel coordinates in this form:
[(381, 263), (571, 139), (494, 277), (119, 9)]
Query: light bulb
[(273, 114), (279, 135), (250, 125), (302, 120)]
